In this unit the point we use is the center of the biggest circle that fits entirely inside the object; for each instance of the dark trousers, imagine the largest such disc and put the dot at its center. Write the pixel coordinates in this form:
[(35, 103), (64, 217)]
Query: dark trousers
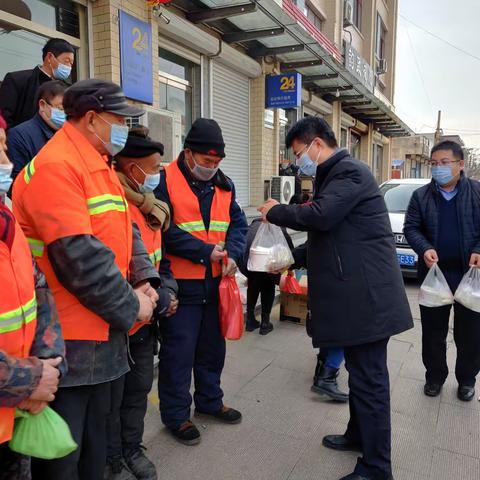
[(191, 339), (85, 409), (263, 284), (125, 423), (369, 400), (466, 333)]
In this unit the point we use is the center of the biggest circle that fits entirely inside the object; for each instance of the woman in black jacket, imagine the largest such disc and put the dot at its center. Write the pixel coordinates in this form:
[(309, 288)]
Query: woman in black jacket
[(260, 283)]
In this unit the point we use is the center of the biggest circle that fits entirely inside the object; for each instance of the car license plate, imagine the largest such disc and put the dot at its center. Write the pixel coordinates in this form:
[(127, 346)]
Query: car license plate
[(406, 260)]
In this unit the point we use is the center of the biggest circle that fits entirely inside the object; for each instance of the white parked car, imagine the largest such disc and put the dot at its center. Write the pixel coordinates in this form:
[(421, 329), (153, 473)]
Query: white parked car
[(397, 194)]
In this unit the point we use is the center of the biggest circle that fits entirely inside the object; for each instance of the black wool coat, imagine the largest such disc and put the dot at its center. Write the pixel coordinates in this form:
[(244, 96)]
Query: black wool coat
[(355, 287), (18, 94)]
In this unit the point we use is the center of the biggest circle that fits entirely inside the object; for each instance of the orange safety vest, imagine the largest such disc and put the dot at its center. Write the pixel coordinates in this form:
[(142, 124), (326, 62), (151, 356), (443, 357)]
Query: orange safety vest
[(18, 310), (69, 189), (187, 216), (153, 243)]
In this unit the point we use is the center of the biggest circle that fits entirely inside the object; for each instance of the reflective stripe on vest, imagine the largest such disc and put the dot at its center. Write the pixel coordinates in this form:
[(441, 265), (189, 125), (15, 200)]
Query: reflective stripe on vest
[(218, 226), (29, 170), (188, 217), (15, 319), (196, 226), (156, 256), (105, 203), (36, 247), (18, 311)]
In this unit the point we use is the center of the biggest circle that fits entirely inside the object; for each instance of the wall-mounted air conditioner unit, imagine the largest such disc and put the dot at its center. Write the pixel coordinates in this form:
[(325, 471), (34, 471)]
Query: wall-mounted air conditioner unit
[(164, 127), (282, 189)]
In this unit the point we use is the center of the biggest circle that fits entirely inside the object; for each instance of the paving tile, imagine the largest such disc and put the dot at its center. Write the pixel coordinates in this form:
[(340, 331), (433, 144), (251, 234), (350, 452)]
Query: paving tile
[(458, 430), (409, 401), (412, 447), (446, 464), (268, 378)]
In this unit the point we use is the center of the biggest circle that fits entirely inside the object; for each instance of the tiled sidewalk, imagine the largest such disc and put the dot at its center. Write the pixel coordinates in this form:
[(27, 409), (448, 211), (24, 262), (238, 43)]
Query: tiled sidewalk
[(268, 379)]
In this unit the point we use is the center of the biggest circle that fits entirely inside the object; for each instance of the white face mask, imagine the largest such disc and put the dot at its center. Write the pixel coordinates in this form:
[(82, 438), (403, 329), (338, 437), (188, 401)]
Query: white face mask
[(203, 174)]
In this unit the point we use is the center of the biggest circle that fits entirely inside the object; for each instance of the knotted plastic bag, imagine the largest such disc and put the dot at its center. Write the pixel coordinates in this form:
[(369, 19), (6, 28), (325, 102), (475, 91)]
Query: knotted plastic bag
[(45, 435), (269, 251), (230, 308), (435, 291), (289, 284), (468, 292)]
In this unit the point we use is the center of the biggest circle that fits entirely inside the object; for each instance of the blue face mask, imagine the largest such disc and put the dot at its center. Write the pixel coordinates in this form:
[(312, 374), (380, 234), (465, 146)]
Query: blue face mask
[(150, 183), (5, 177), (62, 72), (442, 174), (307, 166), (57, 117), (118, 138)]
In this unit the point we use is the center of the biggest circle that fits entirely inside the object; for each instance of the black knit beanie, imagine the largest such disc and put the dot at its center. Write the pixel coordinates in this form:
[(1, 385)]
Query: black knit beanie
[(205, 137)]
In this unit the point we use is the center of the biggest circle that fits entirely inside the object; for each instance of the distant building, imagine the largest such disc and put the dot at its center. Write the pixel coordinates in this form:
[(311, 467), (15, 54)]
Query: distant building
[(411, 156)]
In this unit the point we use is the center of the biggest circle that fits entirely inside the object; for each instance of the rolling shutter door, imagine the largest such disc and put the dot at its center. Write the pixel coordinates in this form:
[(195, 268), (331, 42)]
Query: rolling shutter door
[(231, 92)]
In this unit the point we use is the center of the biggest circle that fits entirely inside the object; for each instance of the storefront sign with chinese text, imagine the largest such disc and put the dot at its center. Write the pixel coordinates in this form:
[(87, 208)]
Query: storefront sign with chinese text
[(284, 91), (357, 65)]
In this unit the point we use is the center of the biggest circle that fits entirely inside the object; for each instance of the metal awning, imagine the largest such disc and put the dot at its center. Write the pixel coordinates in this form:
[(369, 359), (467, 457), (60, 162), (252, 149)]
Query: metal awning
[(278, 30)]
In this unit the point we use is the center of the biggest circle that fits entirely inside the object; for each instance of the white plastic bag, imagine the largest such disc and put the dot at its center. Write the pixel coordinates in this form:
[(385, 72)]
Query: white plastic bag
[(269, 251), (468, 292), (435, 291), (242, 280)]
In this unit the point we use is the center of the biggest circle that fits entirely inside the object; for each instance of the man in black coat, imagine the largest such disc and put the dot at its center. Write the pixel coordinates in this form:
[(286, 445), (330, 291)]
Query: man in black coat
[(442, 225), (18, 91), (355, 286)]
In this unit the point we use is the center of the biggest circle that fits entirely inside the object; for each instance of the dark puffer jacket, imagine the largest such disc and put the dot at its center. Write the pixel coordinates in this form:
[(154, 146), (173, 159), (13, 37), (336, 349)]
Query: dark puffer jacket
[(421, 220)]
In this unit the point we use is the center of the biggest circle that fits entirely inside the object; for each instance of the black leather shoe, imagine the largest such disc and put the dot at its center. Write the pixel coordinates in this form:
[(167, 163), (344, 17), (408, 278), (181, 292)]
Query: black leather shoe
[(266, 326), (465, 393), (187, 433), (356, 476), (340, 442), (139, 464), (252, 323), (225, 415), (326, 384), (432, 389)]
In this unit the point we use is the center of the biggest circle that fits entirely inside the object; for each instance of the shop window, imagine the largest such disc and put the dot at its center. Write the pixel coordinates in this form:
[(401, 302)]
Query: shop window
[(176, 77), (22, 49), (380, 35), (377, 162), (287, 119), (314, 17), (344, 138), (357, 13), (355, 142), (59, 15)]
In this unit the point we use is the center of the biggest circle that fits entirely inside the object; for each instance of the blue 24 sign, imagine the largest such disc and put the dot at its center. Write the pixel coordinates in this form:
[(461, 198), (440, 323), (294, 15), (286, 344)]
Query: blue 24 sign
[(136, 58), (284, 91)]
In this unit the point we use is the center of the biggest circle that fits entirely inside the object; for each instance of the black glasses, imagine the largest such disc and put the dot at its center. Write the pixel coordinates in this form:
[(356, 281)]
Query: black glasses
[(442, 163)]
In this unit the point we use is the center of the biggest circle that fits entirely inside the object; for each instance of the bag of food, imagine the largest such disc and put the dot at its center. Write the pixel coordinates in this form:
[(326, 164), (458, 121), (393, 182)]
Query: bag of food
[(269, 251), (230, 308), (435, 291), (45, 435), (289, 284), (468, 292)]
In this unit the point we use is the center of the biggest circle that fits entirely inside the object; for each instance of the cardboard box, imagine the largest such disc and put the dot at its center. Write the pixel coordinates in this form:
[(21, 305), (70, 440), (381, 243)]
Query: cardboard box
[(293, 308)]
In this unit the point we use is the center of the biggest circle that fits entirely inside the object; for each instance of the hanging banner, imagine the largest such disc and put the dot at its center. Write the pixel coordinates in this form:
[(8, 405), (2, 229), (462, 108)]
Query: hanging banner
[(284, 91), (136, 58)]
